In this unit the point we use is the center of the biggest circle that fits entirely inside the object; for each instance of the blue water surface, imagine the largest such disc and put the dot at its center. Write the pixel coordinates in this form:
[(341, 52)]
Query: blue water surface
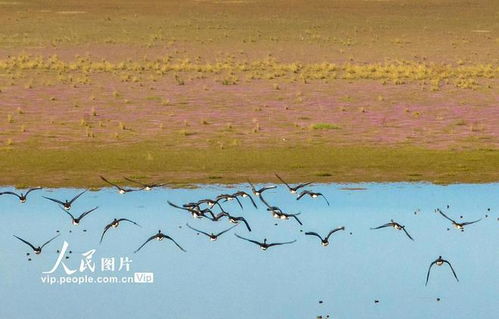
[(232, 278)]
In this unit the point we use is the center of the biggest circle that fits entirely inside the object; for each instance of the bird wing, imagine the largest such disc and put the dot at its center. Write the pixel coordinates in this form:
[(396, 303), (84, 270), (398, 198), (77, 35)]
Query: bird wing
[(217, 203), (11, 193), (283, 243), (334, 231), (54, 200), (469, 223), (405, 231), (173, 205), (252, 201), (76, 197), (26, 242), (48, 241), (314, 234), (105, 230), (302, 185), (453, 272), (446, 217), (264, 201), (244, 221), (302, 194), (428, 274), (287, 185), (32, 189), (252, 186), (112, 184), (295, 217), (319, 194), (265, 188), (220, 215), (157, 185), (67, 212), (173, 240), (148, 240), (223, 232), (209, 211), (87, 212), (136, 182), (239, 202), (383, 226), (128, 220), (199, 231), (250, 240)]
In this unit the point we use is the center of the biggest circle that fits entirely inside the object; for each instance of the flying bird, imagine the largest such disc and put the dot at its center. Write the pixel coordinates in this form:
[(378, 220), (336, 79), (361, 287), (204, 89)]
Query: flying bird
[(76, 221), (196, 212), (66, 204), (212, 236), (439, 262), (313, 195), (244, 195), (325, 241), (284, 216), (36, 250), (160, 236), (265, 245), (146, 187), (396, 226), (270, 208), (114, 224), (209, 202), (258, 192), (457, 225), (121, 190), (232, 219), (22, 197), (294, 189), (228, 197)]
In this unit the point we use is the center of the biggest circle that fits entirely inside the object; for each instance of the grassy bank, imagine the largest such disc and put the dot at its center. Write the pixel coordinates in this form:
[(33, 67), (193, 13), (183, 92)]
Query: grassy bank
[(80, 166)]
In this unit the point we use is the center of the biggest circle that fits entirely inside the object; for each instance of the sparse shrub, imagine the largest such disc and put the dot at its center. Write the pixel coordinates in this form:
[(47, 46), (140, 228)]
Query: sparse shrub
[(324, 126)]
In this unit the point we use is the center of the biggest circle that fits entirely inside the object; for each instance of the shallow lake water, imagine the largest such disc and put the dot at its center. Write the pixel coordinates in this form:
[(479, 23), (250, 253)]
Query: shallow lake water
[(363, 273)]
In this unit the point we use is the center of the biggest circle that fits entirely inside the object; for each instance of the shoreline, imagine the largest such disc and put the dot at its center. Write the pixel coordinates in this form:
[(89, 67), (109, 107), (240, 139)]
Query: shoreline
[(82, 165)]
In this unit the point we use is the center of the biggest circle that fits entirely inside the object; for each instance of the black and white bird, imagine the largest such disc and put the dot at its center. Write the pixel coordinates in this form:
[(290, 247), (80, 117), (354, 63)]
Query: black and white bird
[(457, 225), (146, 187), (66, 204), (195, 211), (270, 208), (264, 245), (325, 240), (285, 216), (396, 226), (37, 250), (232, 219), (120, 189), (159, 237), (245, 195), (439, 262), (76, 221), (114, 224), (292, 189), (228, 197), (258, 192), (22, 196), (313, 195), (212, 236), (207, 201)]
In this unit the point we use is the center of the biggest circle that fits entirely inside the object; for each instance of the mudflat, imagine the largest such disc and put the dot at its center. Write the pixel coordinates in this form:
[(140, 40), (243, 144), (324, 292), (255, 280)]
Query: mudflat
[(222, 91)]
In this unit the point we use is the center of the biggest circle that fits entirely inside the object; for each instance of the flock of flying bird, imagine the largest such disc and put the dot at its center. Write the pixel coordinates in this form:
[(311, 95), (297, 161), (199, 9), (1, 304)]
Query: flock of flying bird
[(205, 208)]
